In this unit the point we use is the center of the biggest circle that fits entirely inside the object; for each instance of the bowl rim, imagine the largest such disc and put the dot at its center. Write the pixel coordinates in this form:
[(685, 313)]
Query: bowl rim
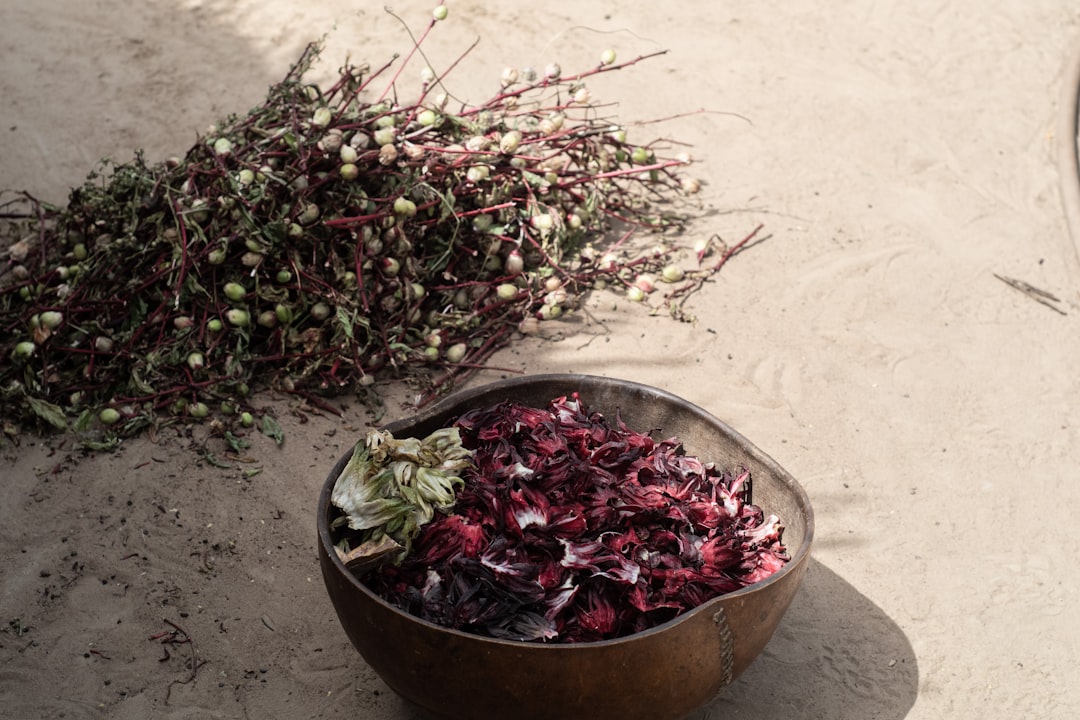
[(456, 398)]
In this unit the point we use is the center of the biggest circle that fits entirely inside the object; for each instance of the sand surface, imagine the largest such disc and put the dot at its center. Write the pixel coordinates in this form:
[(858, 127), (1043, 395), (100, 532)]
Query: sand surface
[(899, 156)]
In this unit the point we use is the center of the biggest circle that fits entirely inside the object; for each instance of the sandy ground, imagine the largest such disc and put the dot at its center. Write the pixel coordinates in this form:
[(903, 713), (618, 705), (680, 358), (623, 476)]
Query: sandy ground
[(898, 154)]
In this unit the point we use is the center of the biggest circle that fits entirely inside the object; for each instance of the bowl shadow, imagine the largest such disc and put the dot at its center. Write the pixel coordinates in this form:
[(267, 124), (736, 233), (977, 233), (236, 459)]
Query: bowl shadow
[(834, 655)]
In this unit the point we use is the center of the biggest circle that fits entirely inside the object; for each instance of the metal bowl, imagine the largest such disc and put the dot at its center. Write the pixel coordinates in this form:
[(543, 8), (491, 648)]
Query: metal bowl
[(667, 672)]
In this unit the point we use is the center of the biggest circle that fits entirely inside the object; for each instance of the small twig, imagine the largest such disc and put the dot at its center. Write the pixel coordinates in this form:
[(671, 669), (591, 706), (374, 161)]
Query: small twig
[(412, 51), (178, 636), (1040, 296), (694, 284)]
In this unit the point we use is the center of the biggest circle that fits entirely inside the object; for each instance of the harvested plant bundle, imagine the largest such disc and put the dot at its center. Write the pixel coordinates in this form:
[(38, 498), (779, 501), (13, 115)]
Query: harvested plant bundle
[(325, 238)]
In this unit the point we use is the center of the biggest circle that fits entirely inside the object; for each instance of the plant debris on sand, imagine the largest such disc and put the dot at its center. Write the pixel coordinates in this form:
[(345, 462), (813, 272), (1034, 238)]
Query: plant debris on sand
[(328, 237)]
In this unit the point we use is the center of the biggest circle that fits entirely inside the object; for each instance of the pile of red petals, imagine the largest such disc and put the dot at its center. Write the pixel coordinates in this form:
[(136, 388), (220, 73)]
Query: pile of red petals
[(571, 528)]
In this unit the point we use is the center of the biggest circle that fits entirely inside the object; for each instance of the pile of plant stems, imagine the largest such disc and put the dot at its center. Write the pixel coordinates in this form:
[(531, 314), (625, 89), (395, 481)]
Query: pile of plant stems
[(328, 238)]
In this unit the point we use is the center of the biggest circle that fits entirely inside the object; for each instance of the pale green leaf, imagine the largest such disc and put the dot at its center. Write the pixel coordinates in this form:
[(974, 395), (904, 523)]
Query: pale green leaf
[(48, 412)]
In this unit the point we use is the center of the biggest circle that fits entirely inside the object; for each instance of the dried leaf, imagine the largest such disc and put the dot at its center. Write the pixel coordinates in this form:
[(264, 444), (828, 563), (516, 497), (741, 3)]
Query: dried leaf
[(238, 444), (272, 430), (212, 459), (48, 412)]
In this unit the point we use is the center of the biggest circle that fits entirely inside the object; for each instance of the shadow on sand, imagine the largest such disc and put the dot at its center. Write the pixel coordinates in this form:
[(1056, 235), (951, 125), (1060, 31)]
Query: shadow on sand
[(835, 655)]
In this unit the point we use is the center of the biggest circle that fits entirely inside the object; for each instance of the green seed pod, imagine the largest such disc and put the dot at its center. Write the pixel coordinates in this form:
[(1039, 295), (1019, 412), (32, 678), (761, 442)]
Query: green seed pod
[(245, 177), (284, 313), (477, 173), (283, 276), (320, 311), (238, 317), (348, 154), (309, 214), (196, 361), (267, 319), (440, 13), (223, 146), (79, 251), (52, 319), (542, 222), (183, 322), (198, 212), (322, 117), (515, 263), (109, 416), (390, 267), (23, 350), (349, 172), (246, 419), (235, 291), (405, 207), (251, 259), (385, 136), (427, 118), (216, 256), (214, 325), (640, 155), (509, 142), (672, 274), (549, 312), (456, 352), (198, 410)]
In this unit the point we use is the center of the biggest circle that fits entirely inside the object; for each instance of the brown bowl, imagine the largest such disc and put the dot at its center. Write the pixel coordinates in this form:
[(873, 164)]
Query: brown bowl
[(663, 673)]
